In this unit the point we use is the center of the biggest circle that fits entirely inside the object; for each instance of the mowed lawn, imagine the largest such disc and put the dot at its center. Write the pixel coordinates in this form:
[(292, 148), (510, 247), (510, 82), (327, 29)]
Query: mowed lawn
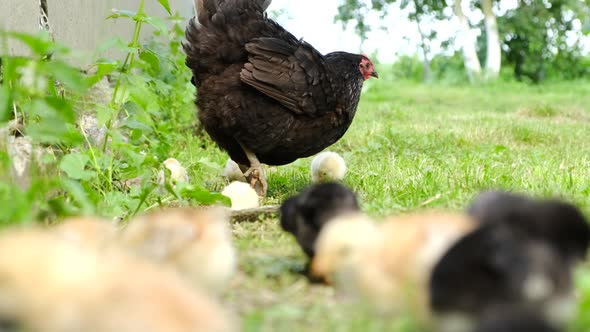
[(411, 147)]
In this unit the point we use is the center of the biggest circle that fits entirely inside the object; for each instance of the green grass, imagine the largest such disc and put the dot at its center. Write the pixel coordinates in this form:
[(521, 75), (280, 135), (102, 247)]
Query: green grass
[(411, 147)]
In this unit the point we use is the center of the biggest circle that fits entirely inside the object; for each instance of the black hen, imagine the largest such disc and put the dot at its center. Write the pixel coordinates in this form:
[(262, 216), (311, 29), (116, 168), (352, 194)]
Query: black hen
[(263, 95), (305, 214)]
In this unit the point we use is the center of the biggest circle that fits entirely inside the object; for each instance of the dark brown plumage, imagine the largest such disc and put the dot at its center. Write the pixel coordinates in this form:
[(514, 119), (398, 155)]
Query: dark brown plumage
[(263, 95)]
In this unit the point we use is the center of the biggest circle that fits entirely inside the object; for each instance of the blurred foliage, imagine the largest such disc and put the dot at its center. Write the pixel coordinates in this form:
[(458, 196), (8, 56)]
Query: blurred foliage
[(539, 38), (356, 10), (444, 68), (535, 51), (44, 100)]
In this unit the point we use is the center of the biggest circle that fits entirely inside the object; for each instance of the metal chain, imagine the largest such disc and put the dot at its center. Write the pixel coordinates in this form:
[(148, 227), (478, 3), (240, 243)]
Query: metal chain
[(44, 18)]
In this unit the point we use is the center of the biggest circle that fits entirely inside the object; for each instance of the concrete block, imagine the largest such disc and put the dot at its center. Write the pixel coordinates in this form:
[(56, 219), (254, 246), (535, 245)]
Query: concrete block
[(21, 16)]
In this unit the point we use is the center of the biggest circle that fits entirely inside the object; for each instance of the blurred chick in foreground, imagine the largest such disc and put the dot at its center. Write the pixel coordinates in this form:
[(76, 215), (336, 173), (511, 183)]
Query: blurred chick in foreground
[(511, 319), (242, 196), (559, 224), (52, 285), (195, 242), (92, 232), (387, 264), (522, 255), (327, 166), (305, 214)]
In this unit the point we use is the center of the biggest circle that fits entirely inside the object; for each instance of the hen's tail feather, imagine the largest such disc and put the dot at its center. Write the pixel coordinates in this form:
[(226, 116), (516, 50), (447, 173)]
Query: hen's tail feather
[(216, 37), (205, 9)]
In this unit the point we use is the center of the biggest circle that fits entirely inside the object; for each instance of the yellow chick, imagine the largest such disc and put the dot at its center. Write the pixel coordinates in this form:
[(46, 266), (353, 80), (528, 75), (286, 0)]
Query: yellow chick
[(178, 173), (242, 195), (388, 264), (53, 285), (93, 232), (197, 243), (340, 247), (327, 166)]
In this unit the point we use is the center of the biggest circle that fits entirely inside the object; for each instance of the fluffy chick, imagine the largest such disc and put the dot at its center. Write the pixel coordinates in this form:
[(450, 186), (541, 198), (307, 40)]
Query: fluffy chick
[(305, 214), (327, 166), (514, 320), (503, 269), (388, 264), (233, 172), (559, 224), (341, 247), (178, 173), (197, 243), (242, 195), (93, 232), (53, 285)]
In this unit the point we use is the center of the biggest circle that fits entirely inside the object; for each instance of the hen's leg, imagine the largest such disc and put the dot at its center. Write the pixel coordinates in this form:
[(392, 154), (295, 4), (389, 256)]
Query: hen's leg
[(254, 174)]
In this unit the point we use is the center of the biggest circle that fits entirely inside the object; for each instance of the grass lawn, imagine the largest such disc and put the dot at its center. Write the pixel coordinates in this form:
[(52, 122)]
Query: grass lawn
[(411, 147)]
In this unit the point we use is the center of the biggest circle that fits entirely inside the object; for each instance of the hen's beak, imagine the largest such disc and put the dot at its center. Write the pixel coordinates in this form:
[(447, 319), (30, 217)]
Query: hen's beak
[(374, 74)]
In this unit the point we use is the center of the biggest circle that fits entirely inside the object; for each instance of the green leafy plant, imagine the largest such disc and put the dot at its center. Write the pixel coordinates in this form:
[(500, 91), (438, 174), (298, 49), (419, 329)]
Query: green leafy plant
[(46, 101)]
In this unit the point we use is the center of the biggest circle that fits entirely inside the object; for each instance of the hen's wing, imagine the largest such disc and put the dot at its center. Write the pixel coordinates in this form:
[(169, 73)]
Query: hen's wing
[(292, 72)]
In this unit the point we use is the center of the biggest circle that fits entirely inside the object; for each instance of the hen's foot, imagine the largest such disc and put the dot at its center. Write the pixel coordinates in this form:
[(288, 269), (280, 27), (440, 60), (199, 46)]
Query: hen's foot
[(254, 174), (256, 178)]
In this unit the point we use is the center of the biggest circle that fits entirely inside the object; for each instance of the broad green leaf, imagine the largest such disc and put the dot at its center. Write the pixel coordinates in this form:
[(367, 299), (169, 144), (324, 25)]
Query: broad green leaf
[(5, 103), (134, 124), (71, 77), (145, 193), (50, 125), (122, 13), (156, 22), (79, 194), (166, 5), (17, 205), (150, 58), (102, 69), (62, 107), (202, 195), (74, 165), (38, 43)]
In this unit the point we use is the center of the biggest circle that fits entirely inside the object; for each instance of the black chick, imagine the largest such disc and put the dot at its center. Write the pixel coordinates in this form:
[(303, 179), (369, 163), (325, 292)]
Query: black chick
[(558, 223), (494, 267), (305, 214), (521, 255), (514, 320)]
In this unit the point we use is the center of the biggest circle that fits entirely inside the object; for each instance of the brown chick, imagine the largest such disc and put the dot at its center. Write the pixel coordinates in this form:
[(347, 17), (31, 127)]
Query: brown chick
[(387, 264), (196, 243), (52, 285), (92, 232)]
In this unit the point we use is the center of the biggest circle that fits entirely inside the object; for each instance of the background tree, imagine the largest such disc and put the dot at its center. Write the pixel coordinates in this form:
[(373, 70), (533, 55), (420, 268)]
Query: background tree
[(418, 11), (467, 42), (493, 48), (541, 35), (534, 37)]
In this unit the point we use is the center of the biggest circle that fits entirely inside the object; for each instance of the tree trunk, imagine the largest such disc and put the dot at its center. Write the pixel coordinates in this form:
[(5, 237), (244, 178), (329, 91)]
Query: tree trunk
[(467, 41), (494, 53), (425, 59)]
